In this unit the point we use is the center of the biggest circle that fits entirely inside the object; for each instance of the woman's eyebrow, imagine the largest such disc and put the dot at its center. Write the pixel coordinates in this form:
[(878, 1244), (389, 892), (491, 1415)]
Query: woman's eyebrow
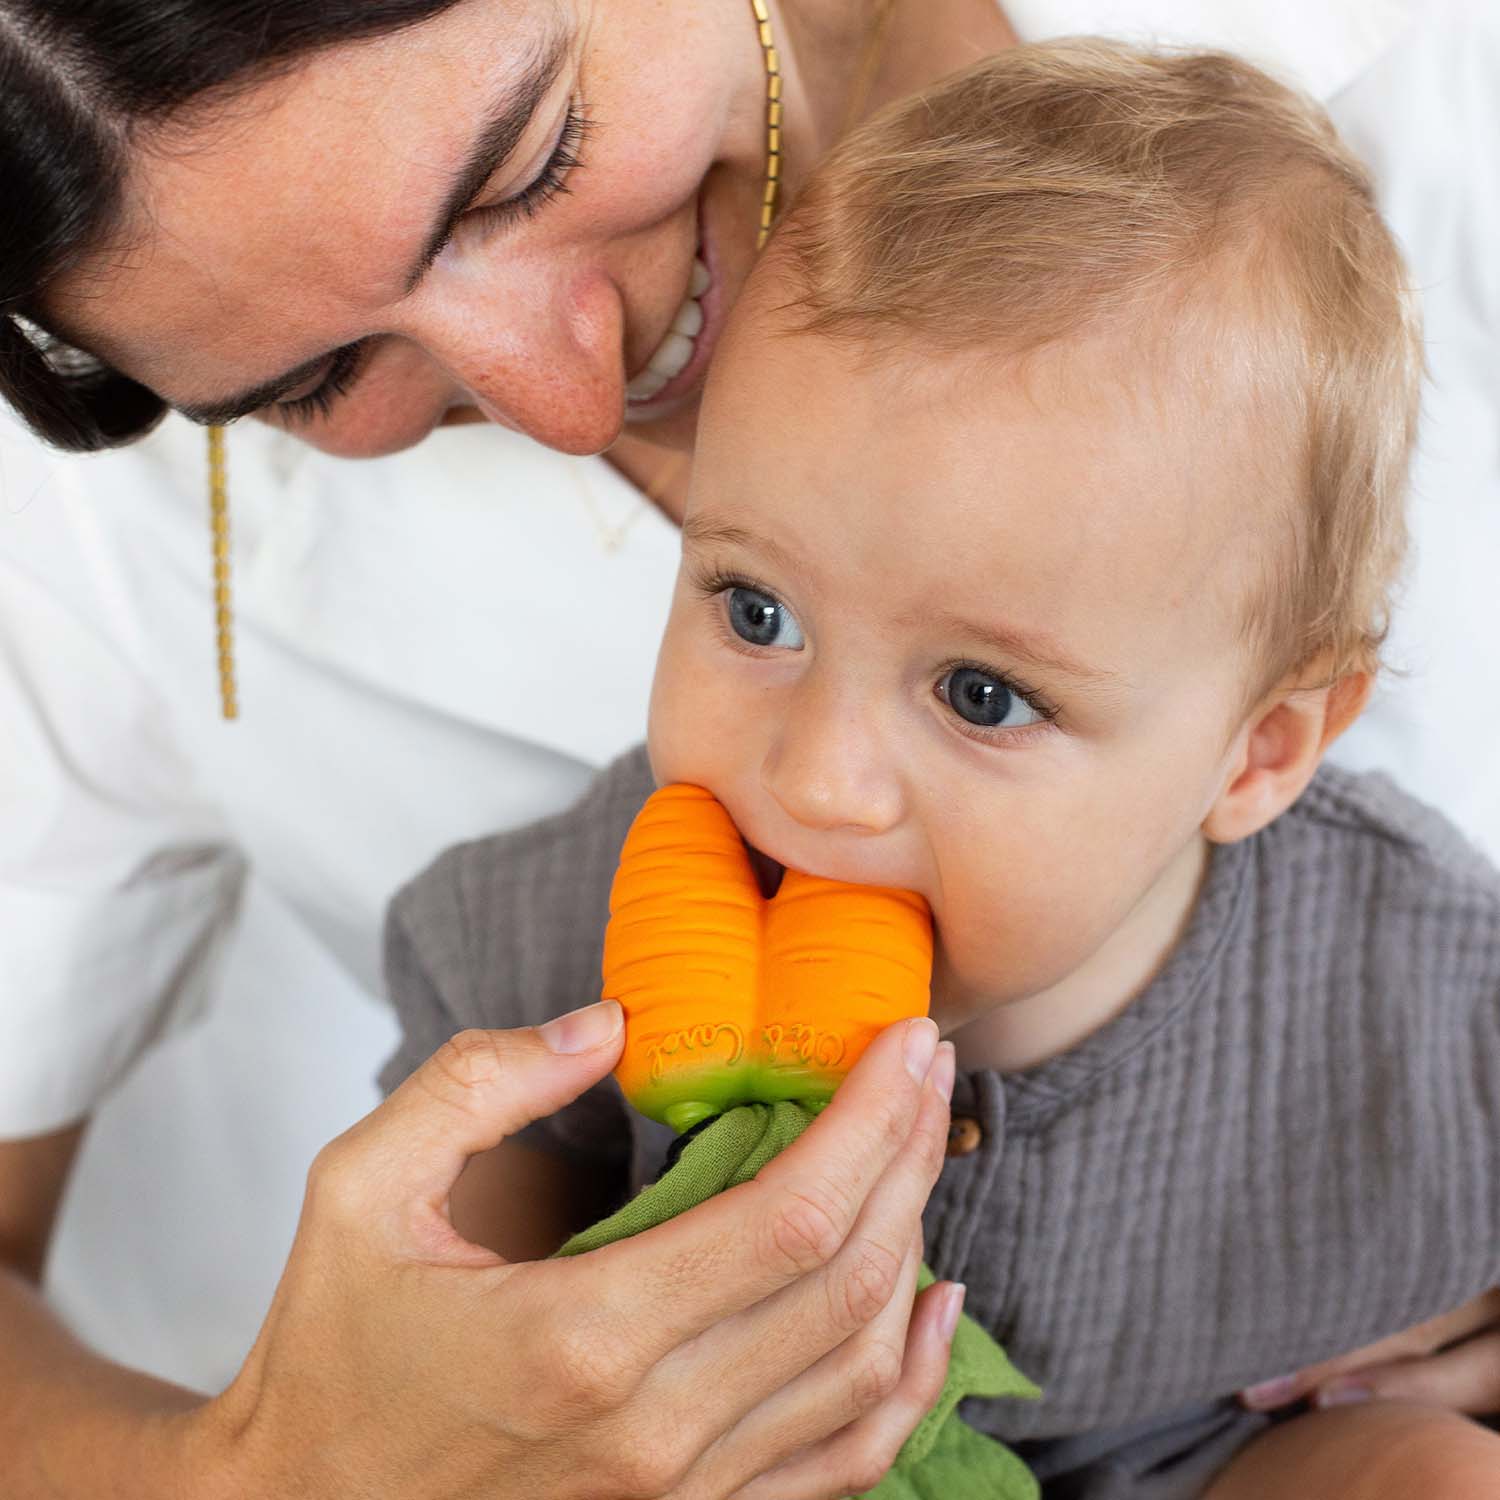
[(506, 122)]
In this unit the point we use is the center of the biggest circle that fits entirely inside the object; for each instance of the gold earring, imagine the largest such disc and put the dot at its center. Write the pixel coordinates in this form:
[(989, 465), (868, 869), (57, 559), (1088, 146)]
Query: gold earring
[(773, 121), (218, 515)]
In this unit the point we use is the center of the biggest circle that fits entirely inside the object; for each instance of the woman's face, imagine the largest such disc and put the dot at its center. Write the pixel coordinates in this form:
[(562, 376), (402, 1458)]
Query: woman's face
[(506, 211)]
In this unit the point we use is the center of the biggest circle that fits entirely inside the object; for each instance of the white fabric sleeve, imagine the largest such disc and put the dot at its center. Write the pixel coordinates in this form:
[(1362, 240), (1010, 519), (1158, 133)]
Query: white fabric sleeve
[(117, 884)]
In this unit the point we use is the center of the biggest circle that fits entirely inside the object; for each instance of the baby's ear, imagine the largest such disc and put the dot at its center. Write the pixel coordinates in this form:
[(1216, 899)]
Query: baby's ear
[(1279, 747)]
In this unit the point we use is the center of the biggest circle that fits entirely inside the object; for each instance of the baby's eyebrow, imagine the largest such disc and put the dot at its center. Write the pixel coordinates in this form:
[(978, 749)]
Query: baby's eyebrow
[(1035, 649), (703, 533)]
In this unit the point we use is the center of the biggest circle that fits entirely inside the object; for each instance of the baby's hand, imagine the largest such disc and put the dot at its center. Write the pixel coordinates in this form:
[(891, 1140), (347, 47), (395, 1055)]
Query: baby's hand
[(1452, 1361)]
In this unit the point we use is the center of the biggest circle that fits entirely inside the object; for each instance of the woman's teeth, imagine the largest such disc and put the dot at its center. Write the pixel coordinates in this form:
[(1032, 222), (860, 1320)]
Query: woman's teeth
[(674, 351)]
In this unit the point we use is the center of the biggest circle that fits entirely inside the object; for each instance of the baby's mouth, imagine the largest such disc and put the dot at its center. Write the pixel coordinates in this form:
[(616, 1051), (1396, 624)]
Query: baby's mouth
[(675, 352)]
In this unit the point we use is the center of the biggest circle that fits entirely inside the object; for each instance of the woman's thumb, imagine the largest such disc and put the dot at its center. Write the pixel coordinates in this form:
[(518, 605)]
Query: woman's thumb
[(476, 1090)]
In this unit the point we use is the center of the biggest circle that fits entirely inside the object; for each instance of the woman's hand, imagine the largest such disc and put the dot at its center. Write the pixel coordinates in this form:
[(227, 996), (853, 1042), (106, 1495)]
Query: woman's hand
[(1452, 1361), (770, 1329)]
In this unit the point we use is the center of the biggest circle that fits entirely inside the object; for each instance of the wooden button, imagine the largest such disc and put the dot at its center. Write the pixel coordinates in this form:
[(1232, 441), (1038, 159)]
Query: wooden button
[(964, 1135)]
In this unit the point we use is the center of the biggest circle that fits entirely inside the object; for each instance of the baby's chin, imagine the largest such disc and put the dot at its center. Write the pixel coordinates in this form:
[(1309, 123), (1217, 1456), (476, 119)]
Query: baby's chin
[(963, 993), (954, 1012), (957, 999)]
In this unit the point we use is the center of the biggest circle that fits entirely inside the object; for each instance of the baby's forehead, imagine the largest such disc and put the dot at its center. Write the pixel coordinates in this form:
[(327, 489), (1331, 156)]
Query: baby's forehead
[(1095, 477), (1260, 378), (1187, 381)]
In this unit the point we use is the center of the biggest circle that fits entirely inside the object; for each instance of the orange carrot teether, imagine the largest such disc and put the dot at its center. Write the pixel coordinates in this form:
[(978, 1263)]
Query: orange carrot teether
[(731, 997)]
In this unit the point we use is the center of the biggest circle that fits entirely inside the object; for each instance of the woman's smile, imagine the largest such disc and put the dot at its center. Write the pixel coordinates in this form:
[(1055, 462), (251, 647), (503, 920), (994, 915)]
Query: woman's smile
[(674, 372)]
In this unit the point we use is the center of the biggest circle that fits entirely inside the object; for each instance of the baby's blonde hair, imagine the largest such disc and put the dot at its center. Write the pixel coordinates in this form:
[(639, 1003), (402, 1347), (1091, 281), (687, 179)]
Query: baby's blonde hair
[(1055, 191)]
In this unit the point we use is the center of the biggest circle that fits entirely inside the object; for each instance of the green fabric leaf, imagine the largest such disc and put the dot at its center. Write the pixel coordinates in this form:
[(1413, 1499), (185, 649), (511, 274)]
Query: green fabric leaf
[(944, 1458), (961, 1465)]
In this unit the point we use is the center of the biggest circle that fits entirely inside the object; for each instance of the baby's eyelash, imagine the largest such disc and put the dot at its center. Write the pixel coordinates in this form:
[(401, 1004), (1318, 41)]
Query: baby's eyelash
[(1033, 699), (714, 585), (712, 581), (342, 373)]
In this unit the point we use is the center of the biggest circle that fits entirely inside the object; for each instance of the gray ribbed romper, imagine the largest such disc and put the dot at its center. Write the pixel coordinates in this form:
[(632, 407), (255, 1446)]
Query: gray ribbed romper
[(1288, 1146)]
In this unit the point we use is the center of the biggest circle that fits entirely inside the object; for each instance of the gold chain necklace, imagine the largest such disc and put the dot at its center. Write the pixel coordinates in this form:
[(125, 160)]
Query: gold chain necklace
[(218, 486), (218, 518), (611, 534), (772, 190)]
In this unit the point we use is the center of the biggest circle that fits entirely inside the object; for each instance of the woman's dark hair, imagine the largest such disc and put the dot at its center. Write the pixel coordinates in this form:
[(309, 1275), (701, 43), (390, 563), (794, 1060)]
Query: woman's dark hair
[(77, 79)]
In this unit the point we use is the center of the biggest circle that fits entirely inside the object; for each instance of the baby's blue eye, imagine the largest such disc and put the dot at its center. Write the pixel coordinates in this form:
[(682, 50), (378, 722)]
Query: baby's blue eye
[(762, 620), (985, 700)]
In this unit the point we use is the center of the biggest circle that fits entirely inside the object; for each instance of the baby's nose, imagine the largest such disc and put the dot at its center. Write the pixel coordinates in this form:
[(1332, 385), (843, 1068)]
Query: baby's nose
[(828, 770)]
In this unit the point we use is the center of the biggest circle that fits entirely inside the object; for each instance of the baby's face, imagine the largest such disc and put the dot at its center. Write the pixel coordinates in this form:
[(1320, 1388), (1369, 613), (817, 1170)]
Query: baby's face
[(939, 629)]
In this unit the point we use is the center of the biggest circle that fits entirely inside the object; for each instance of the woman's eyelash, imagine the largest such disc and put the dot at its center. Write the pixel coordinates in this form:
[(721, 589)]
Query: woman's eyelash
[(548, 184), (342, 373), (551, 181)]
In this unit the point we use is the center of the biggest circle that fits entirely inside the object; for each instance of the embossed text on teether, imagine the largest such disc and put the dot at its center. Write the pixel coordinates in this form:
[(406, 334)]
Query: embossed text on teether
[(700, 1039), (796, 1043)]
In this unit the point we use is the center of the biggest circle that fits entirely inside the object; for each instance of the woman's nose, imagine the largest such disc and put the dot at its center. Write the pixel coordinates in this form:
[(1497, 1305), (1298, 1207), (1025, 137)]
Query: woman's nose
[(828, 768), (544, 359)]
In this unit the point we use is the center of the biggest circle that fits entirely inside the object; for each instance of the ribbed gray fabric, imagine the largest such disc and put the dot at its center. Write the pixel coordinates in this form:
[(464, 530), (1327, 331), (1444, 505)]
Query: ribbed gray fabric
[(1288, 1146)]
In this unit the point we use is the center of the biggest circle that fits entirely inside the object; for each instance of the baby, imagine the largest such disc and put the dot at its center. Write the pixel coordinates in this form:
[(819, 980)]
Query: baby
[(1047, 498)]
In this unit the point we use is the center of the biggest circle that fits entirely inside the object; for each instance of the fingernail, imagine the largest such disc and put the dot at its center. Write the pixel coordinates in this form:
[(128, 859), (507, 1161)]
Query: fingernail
[(921, 1043), (943, 1067), (953, 1305), (579, 1030), (1271, 1392), (1342, 1393)]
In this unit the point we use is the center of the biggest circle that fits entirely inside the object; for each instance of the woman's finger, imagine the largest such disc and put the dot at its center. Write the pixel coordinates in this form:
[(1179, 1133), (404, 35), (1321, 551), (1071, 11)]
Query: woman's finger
[(1465, 1378), (777, 1401), (861, 1302), (835, 1391), (858, 1456), (742, 1246), (861, 1280)]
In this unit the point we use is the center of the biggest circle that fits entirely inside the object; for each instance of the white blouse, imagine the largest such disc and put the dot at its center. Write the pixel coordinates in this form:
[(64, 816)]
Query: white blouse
[(445, 642), (428, 645)]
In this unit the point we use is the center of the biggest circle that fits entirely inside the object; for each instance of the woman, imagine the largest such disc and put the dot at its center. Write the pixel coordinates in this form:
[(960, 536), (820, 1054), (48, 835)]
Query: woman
[(489, 112), (287, 246)]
